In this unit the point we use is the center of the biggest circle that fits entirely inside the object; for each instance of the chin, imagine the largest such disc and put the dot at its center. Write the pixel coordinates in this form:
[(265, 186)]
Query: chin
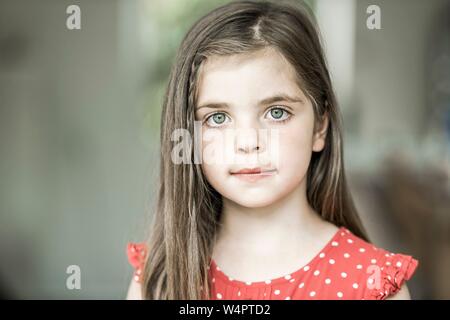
[(253, 201)]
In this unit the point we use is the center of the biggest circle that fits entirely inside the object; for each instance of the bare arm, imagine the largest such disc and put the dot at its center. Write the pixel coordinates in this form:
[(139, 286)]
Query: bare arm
[(134, 291), (403, 294)]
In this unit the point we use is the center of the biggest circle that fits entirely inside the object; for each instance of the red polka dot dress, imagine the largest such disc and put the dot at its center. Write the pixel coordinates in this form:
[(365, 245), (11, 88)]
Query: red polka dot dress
[(346, 268)]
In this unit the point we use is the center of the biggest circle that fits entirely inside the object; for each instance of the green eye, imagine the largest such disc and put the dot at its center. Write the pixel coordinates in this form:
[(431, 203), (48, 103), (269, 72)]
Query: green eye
[(219, 118), (216, 119), (276, 113), (279, 114)]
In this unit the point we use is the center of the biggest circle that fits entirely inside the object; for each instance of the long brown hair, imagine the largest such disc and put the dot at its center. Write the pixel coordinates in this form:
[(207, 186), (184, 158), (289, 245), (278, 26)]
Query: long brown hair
[(188, 209)]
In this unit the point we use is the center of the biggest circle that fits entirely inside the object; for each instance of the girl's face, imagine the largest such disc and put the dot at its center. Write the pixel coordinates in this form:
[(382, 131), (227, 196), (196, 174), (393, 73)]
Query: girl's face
[(238, 97)]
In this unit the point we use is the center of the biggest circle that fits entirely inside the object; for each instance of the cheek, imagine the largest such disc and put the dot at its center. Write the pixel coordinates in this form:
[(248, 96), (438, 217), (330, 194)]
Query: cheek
[(214, 158), (295, 149)]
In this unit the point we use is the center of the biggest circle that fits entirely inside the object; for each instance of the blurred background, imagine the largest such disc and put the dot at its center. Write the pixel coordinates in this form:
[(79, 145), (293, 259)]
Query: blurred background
[(79, 133)]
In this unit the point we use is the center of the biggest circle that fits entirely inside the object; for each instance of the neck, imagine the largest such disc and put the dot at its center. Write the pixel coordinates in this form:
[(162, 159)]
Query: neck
[(281, 225)]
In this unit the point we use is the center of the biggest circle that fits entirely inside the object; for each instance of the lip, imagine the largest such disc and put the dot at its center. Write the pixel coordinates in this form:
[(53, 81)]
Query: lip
[(253, 174)]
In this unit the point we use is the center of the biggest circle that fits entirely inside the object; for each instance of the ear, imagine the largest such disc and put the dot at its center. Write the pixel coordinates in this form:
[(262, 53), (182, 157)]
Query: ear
[(320, 134)]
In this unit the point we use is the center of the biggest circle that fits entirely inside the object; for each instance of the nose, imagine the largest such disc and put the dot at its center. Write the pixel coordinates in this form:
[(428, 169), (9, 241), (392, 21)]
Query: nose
[(248, 141)]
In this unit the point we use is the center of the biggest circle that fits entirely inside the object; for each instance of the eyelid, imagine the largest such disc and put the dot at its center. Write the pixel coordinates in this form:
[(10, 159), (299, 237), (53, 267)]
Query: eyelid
[(279, 106), (282, 106)]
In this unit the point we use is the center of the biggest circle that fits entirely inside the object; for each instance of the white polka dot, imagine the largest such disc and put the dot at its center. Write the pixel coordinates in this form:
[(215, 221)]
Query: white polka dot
[(322, 255), (316, 273), (331, 261), (370, 280), (346, 255), (219, 296), (399, 264), (248, 283), (355, 285), (362, 250), (213, 280), (340, 294), (342, 233), (268, 281), (373, 261), (287, 298), (276, 292), (239, 293), (343, 275), (328, 281), (306, 268), (359, 267), (217, 268), (312, 293), (334, 244), (301, 285), (388, 263), (231, 279), (349, 240), (287, 277), (292, 280), (264, 294), (387, 255)]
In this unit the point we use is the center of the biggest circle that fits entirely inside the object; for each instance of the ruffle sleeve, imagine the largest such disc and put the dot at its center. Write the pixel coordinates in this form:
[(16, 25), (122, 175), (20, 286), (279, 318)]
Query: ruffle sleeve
[(389, 275), (137, 255)]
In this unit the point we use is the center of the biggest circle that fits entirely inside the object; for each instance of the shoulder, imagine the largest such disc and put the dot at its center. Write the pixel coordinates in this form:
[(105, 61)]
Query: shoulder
[(134, 291), (402, 294), (381, 274)]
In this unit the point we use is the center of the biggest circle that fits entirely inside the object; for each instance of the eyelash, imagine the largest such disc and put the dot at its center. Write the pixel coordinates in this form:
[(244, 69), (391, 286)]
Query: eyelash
[(269, 110)]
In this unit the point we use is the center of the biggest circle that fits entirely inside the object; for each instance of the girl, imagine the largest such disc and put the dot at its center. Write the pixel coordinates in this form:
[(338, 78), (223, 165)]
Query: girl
[(277, 222)]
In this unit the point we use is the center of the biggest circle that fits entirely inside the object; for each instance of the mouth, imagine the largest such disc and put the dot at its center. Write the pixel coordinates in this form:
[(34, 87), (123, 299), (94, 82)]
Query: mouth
[(253, 174)]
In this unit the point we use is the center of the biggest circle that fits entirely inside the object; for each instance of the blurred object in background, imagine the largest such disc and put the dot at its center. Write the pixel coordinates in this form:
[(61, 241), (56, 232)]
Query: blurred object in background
[(417, 202), (398, 136)]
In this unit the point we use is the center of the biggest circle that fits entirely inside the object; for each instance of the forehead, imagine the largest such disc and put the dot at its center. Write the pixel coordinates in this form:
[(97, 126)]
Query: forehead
[(246, 77)]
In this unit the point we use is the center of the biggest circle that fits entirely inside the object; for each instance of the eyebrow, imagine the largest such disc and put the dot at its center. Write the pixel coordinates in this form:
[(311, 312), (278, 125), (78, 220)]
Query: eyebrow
[(269, 100)]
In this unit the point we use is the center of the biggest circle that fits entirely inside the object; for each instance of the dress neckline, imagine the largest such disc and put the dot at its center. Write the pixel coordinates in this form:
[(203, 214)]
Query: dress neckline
[(284, 278)]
